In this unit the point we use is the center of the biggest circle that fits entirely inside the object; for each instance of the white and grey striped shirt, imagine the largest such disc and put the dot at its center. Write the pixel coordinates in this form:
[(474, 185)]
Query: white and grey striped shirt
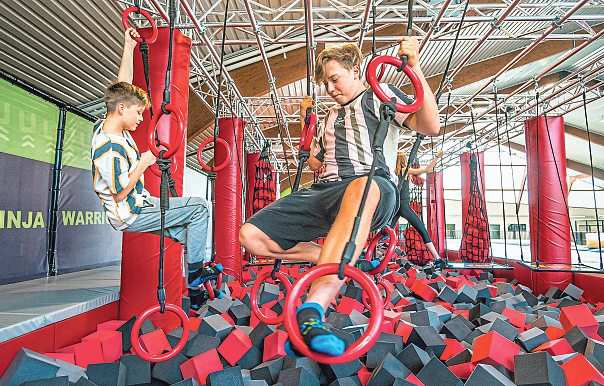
[(344, 139)]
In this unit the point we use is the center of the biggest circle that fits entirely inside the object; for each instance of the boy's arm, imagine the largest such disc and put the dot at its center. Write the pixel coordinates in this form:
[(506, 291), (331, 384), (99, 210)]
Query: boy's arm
[(147, 159), (427, 168), (125, 73)]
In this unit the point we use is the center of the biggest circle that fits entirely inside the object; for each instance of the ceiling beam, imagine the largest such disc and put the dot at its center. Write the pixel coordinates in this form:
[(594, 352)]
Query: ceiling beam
[(570, 164), (596, 139)]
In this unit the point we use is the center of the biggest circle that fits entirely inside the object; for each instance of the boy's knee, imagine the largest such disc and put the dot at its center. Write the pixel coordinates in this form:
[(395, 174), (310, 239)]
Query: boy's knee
[(357, 187), (247, 234)]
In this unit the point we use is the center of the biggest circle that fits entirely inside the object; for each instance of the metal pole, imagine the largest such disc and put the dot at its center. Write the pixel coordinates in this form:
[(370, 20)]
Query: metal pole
[(55, 191)]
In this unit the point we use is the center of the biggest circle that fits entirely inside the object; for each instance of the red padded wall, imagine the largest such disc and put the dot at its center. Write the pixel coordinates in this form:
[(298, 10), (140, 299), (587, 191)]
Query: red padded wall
[(547, 193), (229, 197), (436, 210), (140, 251)]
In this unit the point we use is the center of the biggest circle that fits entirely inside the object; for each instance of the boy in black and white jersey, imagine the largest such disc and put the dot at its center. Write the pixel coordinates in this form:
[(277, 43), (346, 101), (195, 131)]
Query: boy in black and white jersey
[(343, 152)]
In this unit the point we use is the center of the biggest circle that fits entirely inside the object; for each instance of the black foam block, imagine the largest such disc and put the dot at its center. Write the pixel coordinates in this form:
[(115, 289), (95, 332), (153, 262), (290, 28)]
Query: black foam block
[(137, 370), (435, 373), (487, 375), (58, 381), (200, 344), (413, 357), (389, 369), (298, 376), (268, 371), (537, 369), (229, 376), (107, 374), (169, 371), (426, 338)]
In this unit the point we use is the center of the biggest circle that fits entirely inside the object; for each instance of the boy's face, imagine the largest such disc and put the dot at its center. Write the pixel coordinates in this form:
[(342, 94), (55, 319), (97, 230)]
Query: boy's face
[(132, 115), (341, 84)]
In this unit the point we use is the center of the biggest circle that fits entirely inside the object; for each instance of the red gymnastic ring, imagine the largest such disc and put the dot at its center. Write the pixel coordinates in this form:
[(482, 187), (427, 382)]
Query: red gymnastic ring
[(392, 241), (361, 345), (374, 82), (136, 343), (263, 277), (223, 164), (134, 9), (161, 120), (308, 133), (387, 287)]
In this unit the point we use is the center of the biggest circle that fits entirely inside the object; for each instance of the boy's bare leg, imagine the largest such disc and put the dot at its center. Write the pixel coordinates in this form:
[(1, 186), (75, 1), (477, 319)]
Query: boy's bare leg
[(430, 247), (258, 243), (324, 289)]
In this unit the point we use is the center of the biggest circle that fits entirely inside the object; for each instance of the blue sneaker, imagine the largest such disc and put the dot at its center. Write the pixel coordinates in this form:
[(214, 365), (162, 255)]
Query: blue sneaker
[(318, 335), (199, 276)]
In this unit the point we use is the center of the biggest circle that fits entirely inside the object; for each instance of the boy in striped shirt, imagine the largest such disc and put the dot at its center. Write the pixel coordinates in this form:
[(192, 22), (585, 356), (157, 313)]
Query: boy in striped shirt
[(118, 175), (343, 152)]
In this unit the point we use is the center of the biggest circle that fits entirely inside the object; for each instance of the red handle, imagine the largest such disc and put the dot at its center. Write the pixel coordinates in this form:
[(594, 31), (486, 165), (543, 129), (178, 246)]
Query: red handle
[(126, 12), (308, 132), (160, 122), (223, 164), (361, 345), (136, 343), (374, 82)]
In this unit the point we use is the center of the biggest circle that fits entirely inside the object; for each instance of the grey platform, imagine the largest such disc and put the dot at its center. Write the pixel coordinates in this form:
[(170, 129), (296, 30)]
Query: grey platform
[(30, 305)]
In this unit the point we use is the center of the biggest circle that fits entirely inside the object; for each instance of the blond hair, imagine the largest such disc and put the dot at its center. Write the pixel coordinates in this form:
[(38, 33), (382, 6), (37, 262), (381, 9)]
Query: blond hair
[(124, 92), (348, 55)]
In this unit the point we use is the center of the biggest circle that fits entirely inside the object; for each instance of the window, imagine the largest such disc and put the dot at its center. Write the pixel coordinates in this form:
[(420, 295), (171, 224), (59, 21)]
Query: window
[(450, 231), (495, 230)]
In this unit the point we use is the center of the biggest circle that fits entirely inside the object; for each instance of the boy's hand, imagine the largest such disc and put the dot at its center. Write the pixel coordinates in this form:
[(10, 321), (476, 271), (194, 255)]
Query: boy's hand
[(408, 46), (147, 158), (129, 36), (439, 153)]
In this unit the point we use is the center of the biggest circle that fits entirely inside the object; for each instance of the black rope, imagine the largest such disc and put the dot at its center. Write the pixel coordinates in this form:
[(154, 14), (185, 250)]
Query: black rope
[(593, 182), (517, 207), (442, 81), (144, 49), (505, 238), (166, 182), (538, 179)]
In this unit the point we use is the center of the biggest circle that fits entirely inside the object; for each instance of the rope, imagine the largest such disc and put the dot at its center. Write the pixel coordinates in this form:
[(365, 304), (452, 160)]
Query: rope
[(593, 182)]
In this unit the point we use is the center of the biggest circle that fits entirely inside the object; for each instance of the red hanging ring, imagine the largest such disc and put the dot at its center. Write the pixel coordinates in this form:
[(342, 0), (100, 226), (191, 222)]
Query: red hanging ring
[(223, 164), (392, 241), (261, 278), (134, 9), (387, 287), (161, 120), (361, 345), (373, 80), (136, 343)]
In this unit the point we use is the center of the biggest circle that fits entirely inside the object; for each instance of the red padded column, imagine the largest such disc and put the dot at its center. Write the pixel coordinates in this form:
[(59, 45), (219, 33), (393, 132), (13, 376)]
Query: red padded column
[(548, 217), (140, 251), (464, 160), (228, 198), (252, 160), (436, 210)]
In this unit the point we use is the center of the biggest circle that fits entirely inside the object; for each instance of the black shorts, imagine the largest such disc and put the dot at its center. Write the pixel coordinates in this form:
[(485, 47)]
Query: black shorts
[(308, 214)]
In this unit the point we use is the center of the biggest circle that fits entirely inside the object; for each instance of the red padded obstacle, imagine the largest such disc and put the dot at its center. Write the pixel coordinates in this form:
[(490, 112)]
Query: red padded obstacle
[(435, 197), (228, 197), (548, 217), (140, 251), (475, 242)]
